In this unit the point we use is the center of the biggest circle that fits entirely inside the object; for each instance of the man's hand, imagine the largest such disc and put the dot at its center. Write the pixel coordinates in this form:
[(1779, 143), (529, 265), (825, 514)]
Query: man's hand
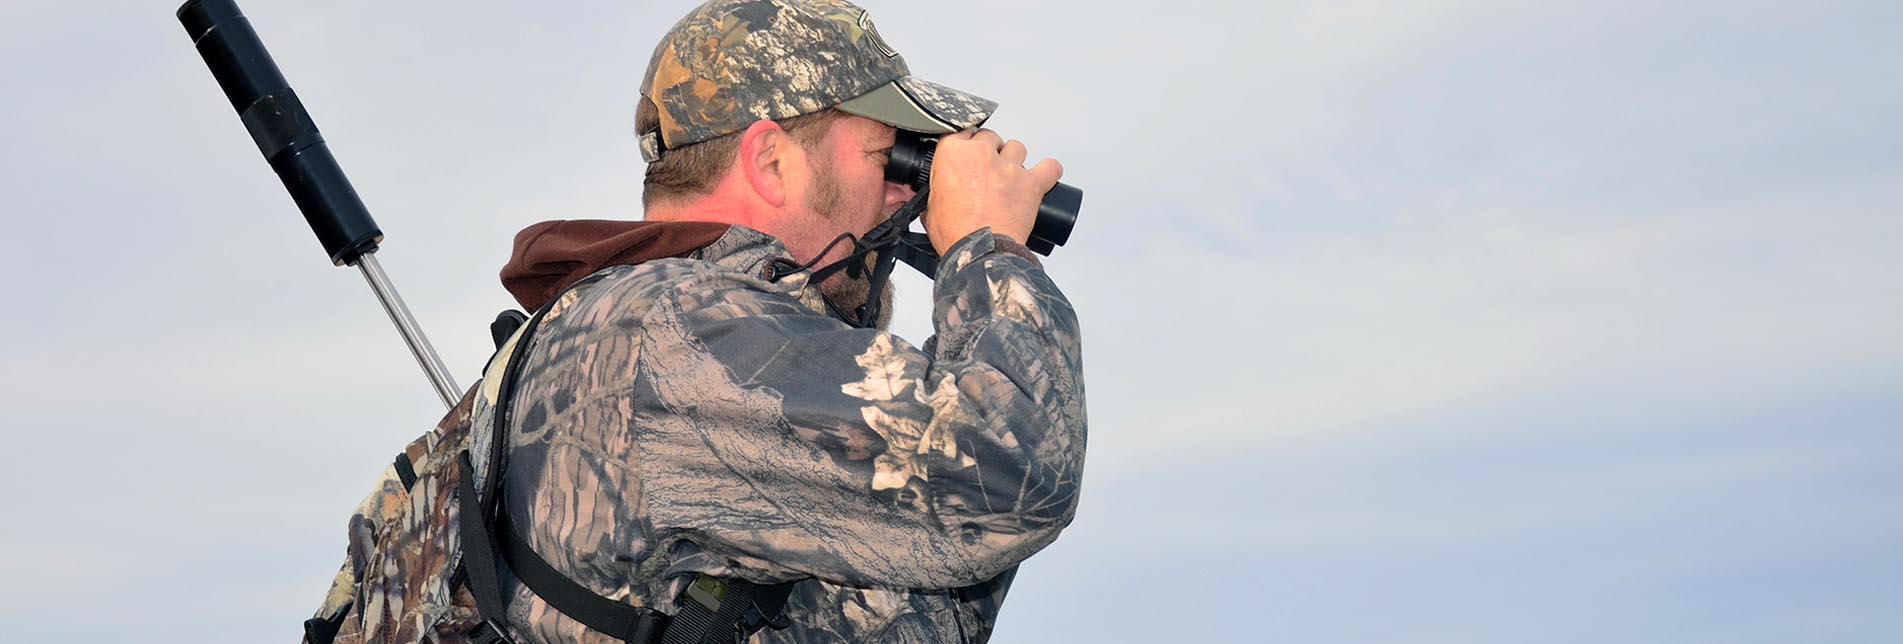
[(979, 180)]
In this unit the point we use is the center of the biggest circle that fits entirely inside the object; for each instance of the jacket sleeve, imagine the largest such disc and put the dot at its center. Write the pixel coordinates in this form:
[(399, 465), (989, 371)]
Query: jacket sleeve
[(786, 444)]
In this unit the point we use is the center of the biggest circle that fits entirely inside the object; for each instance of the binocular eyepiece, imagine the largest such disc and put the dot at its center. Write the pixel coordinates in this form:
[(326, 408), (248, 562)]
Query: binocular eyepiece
[(911, 164)]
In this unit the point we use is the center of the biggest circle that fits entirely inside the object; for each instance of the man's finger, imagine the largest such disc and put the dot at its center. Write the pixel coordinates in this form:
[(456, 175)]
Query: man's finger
[(1014, 152), (988, 136), (1046, 173)]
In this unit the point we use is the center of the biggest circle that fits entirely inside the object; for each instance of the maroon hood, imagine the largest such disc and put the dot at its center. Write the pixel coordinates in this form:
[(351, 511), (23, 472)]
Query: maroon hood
[(551, 255)]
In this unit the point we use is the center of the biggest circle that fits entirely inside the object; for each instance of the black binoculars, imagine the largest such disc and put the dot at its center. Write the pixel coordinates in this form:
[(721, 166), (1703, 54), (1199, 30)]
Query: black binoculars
[(911, 164)]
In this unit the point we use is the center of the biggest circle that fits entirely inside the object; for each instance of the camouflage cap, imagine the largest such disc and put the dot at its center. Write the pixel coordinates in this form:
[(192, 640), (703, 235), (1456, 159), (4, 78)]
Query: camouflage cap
[(732, 62)]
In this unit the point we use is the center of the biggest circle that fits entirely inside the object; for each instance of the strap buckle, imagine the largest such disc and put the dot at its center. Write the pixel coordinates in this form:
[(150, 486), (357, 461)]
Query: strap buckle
[(489, 632)]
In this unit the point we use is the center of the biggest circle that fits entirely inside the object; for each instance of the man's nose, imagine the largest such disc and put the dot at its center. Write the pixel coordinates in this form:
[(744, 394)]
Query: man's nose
[(896, 194)]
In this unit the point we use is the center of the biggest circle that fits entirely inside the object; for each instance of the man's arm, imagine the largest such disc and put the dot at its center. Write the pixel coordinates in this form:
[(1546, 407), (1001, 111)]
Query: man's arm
[(789, 444)]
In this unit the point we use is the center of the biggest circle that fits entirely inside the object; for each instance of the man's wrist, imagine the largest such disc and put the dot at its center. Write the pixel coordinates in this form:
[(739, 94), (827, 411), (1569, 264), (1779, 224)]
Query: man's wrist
[(976, 246)]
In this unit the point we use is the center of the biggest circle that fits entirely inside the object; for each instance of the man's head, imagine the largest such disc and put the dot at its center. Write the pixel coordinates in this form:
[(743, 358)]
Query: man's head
[(804, 181), (778, 115)]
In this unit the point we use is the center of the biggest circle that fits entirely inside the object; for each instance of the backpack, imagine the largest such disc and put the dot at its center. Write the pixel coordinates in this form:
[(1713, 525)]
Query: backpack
[(418, 571)]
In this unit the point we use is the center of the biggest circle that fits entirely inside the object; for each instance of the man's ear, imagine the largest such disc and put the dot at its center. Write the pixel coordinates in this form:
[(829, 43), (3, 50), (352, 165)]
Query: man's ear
[(765, 156)]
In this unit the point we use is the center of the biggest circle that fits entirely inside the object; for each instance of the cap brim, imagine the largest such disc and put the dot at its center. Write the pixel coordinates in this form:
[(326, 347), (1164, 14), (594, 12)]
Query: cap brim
[(914, 104)]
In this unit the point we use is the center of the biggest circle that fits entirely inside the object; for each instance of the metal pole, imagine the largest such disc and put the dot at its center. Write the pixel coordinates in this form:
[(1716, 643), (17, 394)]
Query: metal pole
[(412, 334)]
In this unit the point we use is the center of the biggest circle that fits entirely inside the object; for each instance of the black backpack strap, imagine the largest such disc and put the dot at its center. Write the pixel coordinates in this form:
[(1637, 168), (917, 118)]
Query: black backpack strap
[(478, 511), (724, 611), (713, 610), (479, 557), (505, 325), (612, 617), (405, 471), (320, 630)]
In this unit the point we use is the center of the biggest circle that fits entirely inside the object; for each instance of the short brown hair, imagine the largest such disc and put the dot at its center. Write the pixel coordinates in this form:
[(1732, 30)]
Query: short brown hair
[(693, 169)]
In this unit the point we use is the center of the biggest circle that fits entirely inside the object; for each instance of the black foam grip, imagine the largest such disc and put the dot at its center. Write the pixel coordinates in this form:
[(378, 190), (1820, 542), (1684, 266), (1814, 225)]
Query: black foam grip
[(281, 127)]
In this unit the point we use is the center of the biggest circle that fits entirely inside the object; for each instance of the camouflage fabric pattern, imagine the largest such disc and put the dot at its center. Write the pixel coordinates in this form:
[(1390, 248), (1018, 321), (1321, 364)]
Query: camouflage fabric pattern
[(732, 62), (947, 102), (403, 550), (691, 416)]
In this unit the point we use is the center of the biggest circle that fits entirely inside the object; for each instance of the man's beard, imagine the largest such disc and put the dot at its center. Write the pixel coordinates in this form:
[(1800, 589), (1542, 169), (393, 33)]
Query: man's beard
[(847, 293), (844, 292)]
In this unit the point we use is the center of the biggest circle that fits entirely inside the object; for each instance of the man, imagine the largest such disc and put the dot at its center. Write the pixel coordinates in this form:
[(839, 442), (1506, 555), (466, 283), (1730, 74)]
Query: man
[(692, 405)]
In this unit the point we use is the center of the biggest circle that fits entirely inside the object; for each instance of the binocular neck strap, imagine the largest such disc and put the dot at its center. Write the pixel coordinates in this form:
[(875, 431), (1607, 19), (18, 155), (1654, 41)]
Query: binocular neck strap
[(889, 242)]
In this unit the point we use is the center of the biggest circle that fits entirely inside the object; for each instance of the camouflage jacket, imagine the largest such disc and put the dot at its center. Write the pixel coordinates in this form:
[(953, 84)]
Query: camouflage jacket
[(693, 415)]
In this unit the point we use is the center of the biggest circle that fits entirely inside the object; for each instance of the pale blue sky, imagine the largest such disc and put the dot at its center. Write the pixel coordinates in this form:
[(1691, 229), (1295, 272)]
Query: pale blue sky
[(1436, 321)]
